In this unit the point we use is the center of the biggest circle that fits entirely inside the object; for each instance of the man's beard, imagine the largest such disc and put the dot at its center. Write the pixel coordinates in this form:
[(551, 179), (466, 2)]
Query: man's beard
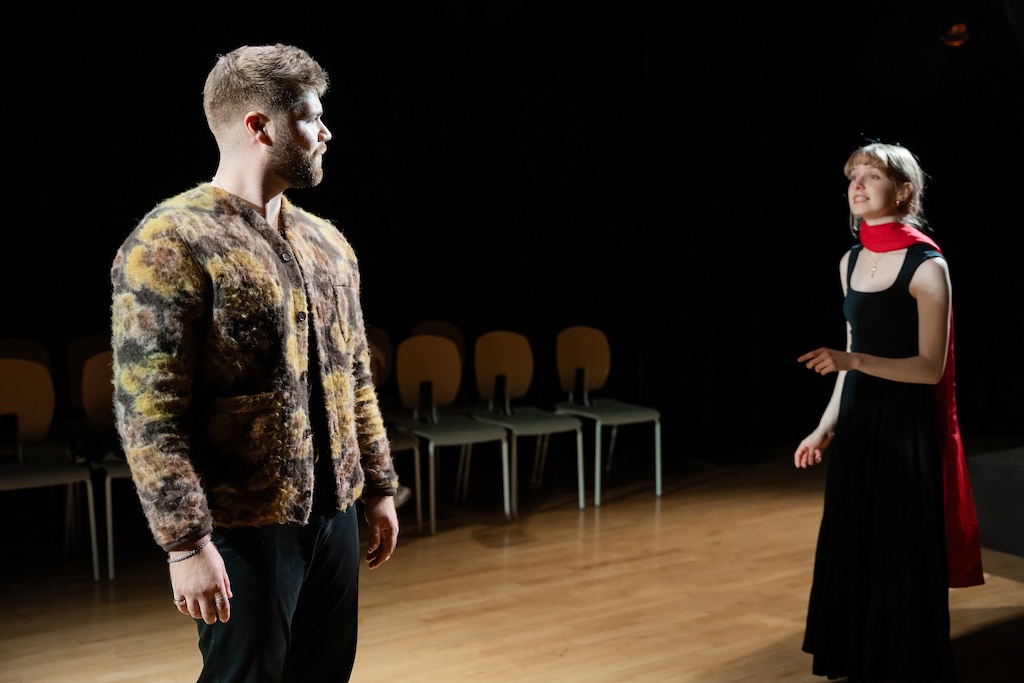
[(296, 167)]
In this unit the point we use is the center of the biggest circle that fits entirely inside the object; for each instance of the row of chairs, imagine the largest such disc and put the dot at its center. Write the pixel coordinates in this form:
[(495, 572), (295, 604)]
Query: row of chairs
[(41, 454), (428, 369)]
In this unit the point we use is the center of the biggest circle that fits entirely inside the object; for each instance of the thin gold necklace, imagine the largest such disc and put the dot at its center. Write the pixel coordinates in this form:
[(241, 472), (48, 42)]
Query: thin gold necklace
[(874, 262)]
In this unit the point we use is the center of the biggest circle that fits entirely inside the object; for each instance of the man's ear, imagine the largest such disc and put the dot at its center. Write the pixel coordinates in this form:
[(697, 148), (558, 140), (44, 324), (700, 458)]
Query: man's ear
[(256, 126)]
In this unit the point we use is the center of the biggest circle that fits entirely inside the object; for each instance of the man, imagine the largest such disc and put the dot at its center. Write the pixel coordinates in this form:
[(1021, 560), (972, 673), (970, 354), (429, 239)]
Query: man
[(243, 392)]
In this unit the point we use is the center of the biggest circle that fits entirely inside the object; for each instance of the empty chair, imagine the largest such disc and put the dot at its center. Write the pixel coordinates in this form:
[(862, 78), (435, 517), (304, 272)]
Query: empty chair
[(381, 364), (405, 441), (443, 328), (381, 355), (79, 350), (26, 349), (583, 359), (27, 395), (429, 372), (97, 389), (503, 365)]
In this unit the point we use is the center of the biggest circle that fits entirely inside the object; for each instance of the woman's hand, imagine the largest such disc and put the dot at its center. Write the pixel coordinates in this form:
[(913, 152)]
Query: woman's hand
[(824, 361), (811, 449)]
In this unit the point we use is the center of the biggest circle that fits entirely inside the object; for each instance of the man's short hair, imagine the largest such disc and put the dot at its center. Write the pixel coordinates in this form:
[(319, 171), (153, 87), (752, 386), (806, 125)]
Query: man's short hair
[(270, 79)]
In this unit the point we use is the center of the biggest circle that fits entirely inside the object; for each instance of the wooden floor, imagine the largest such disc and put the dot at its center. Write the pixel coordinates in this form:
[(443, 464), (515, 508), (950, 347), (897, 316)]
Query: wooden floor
[(707, 584)]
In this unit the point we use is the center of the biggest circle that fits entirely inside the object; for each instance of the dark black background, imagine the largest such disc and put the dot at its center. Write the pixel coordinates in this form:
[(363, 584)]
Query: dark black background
[(673, 178)]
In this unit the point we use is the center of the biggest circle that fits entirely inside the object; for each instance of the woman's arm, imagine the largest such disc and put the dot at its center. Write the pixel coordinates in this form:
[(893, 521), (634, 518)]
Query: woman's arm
[(931, 287)]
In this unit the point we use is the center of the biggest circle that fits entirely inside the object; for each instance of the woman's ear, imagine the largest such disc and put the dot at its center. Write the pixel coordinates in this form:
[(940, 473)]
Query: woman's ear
[(904, 191)]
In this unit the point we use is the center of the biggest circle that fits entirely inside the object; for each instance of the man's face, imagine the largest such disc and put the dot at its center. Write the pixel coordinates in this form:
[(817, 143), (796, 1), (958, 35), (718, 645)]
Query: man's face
[(300, 143)]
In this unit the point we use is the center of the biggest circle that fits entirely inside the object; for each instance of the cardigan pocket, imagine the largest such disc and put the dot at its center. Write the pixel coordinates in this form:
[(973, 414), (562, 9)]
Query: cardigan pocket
[(251, 439)]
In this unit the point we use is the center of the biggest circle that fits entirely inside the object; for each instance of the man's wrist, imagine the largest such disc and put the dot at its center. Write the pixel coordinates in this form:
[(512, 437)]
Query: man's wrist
[(180, 554)]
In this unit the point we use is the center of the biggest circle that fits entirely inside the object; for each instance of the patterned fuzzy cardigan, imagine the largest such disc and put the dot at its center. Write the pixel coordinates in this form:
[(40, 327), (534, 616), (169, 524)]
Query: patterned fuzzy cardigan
[(212, 312)]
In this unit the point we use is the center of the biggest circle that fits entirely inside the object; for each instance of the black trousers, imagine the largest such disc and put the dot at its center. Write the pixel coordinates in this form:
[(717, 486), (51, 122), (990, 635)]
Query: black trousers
[(294, 613)]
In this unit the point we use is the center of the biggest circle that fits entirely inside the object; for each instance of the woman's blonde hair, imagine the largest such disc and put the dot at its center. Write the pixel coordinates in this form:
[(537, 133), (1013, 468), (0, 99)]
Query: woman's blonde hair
[(901, 166)]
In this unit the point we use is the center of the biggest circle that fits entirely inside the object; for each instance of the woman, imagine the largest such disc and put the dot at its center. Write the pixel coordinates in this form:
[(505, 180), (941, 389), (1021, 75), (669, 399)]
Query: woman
[(898, 526)]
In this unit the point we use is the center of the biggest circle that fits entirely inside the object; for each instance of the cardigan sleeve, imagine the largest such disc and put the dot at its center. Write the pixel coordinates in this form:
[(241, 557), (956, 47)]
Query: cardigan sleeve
[(158, 302)]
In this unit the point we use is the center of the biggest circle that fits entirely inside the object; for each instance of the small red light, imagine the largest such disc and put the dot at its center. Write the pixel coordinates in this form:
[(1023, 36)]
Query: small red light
[(956, 35)]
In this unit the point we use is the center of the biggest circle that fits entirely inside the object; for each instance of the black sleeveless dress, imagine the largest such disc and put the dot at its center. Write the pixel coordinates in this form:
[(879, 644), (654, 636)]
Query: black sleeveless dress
[(879, 602)]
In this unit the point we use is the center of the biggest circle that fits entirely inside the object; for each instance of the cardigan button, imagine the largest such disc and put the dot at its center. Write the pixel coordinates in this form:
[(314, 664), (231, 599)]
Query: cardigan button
[(286, 257)]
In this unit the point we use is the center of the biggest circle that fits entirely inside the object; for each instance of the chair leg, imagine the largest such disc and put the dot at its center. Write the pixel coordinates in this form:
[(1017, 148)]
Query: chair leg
[(462, 475), (432, 476), (657, 458), (538, 465), (505, 482), (110, 527), (459, 470), (92, 531), (597, 463), (468, 449), (419, 490), (71, 523), (540, 460), (514, 476), (70, 518), (579, 468), (611, 448)]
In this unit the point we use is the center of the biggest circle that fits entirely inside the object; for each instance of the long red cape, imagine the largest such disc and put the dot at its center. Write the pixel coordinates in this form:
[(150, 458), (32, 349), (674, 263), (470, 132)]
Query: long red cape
[(963, 541)]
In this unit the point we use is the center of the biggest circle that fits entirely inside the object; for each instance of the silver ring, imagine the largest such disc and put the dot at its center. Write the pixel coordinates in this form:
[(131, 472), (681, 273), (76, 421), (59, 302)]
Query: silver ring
[(179, 603), (219, 598)]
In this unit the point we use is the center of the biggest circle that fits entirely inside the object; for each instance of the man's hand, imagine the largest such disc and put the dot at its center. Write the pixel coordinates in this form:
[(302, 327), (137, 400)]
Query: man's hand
[(382, 520), (200, 585)]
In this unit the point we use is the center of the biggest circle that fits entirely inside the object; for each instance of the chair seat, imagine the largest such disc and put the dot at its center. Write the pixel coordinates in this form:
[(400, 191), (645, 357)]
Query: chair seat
[(452, 430), (459, 430), (29, 474), (429, 370), (583, 357), (401, 441), (530, 421), (43, 456), (610, 411), (53, 471), (536, 421)]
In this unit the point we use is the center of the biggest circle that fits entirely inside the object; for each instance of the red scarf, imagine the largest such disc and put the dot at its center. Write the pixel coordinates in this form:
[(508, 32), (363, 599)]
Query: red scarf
[(963, 542)]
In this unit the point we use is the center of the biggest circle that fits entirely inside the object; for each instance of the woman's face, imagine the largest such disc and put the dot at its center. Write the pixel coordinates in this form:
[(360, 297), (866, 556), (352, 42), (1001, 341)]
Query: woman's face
[(872, 194)]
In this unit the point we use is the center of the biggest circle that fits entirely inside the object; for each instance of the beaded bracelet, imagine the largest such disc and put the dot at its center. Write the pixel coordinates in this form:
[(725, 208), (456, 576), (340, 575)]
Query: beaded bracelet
[(189, 554)]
